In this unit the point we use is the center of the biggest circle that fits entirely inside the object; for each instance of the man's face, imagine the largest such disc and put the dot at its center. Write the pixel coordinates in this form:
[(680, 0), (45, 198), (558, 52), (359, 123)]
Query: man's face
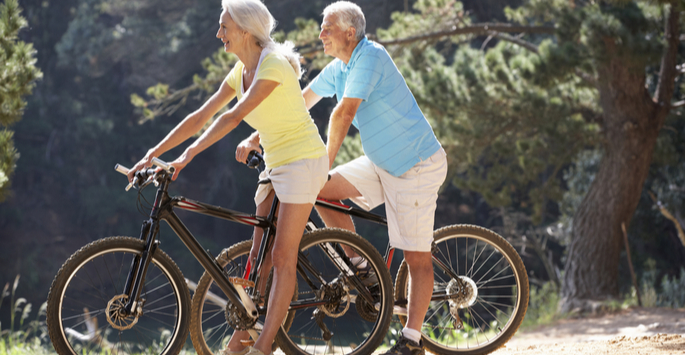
[(336, 41)]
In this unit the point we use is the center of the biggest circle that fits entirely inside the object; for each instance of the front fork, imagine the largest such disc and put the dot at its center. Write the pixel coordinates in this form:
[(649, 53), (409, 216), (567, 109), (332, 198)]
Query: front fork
[(140, 264)]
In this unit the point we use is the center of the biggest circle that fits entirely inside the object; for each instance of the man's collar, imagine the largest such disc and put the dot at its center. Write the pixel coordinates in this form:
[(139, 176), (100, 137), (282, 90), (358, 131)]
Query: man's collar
[(356, 52)]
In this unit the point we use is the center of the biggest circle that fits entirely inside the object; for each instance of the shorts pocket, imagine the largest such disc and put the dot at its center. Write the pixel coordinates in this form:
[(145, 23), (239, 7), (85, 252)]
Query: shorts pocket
[(415, 214)]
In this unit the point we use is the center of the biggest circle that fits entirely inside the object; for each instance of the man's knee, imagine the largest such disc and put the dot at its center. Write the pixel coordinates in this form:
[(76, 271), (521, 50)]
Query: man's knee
[(338, 188), (418, 259)]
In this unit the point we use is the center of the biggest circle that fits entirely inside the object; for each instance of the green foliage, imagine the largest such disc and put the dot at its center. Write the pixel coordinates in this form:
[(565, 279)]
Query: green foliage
[(578, 178), (22, 336), (18, 74), (429, 16), (673, 291), (543, 305), (507, 137)]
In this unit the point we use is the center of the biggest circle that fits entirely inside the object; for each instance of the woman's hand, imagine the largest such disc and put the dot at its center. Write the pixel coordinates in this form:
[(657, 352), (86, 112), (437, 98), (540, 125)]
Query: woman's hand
[(246, 146), (180, 163), (144, 163)]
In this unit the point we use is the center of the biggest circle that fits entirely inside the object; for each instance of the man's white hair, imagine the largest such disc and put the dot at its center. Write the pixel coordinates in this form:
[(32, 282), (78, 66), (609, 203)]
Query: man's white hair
[(253, 16), (349, 15)]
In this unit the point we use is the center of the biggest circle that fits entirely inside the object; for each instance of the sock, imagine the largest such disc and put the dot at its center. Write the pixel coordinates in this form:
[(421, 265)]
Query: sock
[(412, 334), (358, 261)]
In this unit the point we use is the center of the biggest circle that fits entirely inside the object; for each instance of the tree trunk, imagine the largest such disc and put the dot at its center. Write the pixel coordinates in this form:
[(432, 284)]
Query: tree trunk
[(632, 121)]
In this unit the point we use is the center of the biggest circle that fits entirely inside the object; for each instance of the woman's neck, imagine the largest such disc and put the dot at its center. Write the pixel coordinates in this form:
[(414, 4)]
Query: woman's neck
[(250, 57)]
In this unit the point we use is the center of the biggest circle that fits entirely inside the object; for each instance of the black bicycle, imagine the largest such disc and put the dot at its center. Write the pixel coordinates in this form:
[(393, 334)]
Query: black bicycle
[(123, 295), (480, 291)]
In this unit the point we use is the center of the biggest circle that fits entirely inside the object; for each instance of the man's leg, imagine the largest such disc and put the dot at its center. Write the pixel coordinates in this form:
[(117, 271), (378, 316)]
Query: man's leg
[(337, 189), (420, 287)]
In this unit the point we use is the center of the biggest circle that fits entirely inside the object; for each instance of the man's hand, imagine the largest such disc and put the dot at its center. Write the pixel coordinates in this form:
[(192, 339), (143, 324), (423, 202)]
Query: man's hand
[(246, 146)]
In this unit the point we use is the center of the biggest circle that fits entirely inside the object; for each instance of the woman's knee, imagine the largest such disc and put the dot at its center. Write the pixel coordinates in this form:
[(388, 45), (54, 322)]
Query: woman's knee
[(283, 258)]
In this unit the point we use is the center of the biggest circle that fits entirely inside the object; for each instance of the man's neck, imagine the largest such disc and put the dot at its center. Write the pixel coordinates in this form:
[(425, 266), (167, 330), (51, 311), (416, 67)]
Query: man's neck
[(347, 53)]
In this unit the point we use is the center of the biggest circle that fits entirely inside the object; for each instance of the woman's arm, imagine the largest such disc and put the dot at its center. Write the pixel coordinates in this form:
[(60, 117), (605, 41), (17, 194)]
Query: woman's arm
[(259, 91), (188, 127)]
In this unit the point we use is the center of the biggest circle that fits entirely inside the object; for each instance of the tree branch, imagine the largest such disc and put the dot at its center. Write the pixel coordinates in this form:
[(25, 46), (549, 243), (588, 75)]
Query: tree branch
[(668, 215), (667, 73), (525, 44), (483, 28), (678, 104)]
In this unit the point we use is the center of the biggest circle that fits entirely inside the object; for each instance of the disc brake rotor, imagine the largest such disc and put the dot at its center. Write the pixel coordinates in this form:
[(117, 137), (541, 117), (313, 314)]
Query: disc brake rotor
[(116, 315)]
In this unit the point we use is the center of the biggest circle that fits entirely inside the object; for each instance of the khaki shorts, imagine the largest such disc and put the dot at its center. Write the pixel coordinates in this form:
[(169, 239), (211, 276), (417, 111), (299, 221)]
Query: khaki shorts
[(298, 182), (410, 199)]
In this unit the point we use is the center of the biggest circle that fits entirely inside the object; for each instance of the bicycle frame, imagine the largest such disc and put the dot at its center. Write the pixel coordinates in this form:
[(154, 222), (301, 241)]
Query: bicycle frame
[(390, 251), (163, 209)]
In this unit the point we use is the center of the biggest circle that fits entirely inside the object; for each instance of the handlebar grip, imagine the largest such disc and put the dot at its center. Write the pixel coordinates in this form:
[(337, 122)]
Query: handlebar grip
[(121, 169), (254, 159), (162, 164)]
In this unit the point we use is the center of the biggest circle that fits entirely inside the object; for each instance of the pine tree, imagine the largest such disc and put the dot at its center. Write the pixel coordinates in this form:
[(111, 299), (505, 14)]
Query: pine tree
[(18, 74)]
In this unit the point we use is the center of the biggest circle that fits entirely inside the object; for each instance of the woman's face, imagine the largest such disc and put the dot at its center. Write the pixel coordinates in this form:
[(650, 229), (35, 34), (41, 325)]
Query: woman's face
[(230, 34)]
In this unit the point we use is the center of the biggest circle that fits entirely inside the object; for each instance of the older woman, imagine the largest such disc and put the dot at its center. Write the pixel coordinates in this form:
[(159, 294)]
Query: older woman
[(265, 81)]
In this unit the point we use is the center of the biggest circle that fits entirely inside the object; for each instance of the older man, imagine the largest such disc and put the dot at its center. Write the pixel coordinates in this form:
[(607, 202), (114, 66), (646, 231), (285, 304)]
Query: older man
[(404, 164)]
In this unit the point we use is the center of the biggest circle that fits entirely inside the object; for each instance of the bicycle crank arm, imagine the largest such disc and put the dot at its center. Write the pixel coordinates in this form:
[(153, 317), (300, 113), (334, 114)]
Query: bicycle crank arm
[(240, 284)]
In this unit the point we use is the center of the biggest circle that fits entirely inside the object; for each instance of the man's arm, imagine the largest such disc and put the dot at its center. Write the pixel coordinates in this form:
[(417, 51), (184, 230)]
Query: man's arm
[(339, 124), (310, 97)]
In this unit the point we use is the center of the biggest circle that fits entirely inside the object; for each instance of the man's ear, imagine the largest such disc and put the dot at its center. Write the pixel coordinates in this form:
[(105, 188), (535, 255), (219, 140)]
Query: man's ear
[(351, 33)]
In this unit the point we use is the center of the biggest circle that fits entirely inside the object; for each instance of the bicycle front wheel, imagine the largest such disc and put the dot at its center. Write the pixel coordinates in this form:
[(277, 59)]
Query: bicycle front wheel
[(337, 313), (85, 303), (484, 314)]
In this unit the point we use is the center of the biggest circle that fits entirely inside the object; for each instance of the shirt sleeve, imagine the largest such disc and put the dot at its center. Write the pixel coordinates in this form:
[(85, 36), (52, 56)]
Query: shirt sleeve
[(364, 76), (272, 68), (324, 83)]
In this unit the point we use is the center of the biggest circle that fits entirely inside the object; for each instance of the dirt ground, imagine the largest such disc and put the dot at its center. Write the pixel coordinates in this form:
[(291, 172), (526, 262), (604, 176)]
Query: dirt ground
[(653, 331)]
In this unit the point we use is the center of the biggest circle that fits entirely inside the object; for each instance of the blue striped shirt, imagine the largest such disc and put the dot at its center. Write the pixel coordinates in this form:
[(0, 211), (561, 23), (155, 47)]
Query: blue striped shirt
[(394, 132)]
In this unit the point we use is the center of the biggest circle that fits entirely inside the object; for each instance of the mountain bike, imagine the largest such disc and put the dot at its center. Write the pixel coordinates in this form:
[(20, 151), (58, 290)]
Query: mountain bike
[(480, 291), (124, 295)]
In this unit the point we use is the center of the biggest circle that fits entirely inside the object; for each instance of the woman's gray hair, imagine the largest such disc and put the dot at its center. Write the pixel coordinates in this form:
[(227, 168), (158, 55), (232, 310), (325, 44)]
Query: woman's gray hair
[(253, 16), (349, 15)]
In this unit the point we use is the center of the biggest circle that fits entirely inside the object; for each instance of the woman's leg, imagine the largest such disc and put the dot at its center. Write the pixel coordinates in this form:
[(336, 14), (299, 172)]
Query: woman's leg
[(262, 210), (293, 219)]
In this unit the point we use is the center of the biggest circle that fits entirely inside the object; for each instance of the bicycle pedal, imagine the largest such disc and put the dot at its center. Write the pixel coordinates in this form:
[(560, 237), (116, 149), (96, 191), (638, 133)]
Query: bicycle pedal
[(247, 342), (241, 281)]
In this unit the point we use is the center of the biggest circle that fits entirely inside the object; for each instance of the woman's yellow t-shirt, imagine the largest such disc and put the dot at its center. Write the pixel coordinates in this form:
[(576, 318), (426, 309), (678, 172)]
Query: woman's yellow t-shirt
[(286, 130)]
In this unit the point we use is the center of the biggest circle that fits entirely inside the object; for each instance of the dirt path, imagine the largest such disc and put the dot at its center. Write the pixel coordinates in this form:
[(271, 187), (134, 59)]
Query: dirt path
[(657, 331)]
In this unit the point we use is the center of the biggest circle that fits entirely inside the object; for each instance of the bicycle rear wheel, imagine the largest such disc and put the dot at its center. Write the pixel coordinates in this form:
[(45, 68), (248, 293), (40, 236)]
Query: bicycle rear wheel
[(209, 330), (496, 297), (87, 295), (331, 315)]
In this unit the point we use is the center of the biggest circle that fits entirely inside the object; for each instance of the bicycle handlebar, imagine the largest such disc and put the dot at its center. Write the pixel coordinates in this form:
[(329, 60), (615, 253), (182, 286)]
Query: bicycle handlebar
[(254, 160), (144, 174)]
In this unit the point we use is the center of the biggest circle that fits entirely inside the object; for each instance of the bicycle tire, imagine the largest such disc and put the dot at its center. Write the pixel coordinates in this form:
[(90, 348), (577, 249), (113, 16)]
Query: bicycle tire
[(88, 289), (209, 330), (501, 298), (351, 332)]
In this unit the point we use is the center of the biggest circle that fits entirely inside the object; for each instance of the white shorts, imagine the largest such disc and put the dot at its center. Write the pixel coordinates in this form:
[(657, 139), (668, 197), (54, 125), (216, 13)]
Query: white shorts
[(297, 182), (410, 199)]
